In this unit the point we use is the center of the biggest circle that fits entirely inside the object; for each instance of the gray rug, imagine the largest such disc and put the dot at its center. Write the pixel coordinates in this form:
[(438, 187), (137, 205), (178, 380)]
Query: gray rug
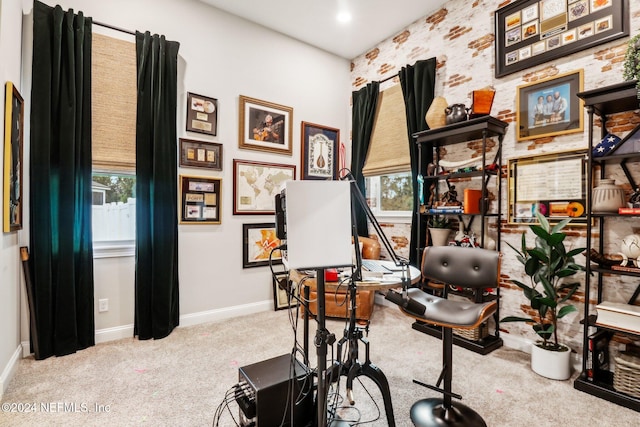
[(181, 380)]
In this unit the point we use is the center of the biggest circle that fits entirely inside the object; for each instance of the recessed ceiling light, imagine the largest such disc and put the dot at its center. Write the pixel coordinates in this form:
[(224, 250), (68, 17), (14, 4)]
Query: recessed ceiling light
[(344, 16)]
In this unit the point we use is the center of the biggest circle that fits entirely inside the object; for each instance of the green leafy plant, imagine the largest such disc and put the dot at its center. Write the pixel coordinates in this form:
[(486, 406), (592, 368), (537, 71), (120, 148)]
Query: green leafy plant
[(548, 264), (632, 61), (438, 221)]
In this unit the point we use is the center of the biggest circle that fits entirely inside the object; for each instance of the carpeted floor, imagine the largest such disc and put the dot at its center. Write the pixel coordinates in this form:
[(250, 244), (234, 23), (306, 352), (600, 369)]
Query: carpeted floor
[(181, 380)]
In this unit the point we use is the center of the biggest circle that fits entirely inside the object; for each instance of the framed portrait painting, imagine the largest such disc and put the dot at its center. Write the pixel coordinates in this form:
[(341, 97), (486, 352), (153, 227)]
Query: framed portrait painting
[(265, 126), (202, 114), (550, 107), (200, 198), (258, 240), (255, 185), (13, 148), (319, 151)]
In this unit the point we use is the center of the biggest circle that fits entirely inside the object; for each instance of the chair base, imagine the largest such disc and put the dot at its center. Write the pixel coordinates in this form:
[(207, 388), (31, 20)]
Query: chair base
[(432, 413)]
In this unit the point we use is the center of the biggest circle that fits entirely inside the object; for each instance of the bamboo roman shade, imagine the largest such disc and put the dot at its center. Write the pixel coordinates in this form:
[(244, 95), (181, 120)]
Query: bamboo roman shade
[(114, 97), (389, 147)]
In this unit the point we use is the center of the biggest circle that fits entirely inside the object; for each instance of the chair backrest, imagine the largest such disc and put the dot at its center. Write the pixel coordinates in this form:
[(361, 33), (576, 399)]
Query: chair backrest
[(462, 266)]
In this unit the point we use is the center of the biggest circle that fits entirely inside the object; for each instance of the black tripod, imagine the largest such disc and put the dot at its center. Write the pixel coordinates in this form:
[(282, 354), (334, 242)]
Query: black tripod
[(352, 368)]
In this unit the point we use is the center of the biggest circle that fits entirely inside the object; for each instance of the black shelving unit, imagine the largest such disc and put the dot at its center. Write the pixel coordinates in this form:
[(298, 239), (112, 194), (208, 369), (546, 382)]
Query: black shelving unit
[(604, 102), (481, 128)]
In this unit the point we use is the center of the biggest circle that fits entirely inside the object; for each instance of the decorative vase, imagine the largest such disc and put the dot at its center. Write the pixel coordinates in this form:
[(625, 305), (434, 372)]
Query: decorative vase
[(439, 236), (436, 117), (555, 365), (607, 197)]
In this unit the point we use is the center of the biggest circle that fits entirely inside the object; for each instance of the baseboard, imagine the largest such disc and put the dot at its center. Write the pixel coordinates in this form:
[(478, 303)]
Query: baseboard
[(126, 331), (225, 313), (9, 370)]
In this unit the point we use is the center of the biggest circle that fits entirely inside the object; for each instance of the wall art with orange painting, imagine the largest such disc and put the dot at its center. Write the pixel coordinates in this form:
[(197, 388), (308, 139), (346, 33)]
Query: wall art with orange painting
[(259, 245)]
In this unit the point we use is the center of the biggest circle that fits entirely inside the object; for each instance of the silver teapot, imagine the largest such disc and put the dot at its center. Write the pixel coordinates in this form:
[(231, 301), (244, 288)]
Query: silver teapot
[(456, 113)]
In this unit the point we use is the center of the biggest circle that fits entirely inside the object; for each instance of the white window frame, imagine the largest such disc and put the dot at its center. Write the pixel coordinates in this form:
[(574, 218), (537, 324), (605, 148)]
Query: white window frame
[(113, 248), (373, 197)]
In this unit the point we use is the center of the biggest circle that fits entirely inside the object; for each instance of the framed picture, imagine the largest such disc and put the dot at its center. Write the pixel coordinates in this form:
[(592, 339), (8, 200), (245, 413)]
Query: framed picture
[(553, 184), (281, 298), (265, 126), (202, 114), (550, 107), (319, 152), (554, 29), (200, 198), (255, 186), (258, 240), (13, 148), (200, 154)]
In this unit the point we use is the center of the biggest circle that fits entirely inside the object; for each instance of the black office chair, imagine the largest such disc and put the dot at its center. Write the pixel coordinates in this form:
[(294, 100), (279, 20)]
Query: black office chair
[(472, 268)]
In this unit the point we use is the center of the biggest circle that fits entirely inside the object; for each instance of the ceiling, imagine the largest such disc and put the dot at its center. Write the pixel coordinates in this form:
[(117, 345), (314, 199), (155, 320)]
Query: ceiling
[(315, 22)]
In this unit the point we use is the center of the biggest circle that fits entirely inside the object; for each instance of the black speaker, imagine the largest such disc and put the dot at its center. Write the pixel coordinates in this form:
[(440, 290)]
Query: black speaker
[(268, 391)]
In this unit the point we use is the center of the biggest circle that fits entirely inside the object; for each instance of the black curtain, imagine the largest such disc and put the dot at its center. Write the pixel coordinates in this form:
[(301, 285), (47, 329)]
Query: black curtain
[(60, 181), (157, 308), (362, 118), (418, 85)]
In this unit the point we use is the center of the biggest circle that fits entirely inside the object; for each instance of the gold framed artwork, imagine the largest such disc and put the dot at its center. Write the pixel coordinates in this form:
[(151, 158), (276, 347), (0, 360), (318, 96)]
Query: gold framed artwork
[(319, 151), (200, 154), (550, 107), (202, 114), (554, 185), (13, 149), (265, 126), (532, 32), (200, 200)]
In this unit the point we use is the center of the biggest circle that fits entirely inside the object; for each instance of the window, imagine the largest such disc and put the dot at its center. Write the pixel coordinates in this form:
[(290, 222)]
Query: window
[(113, 214), (114, 96), (390, 195)]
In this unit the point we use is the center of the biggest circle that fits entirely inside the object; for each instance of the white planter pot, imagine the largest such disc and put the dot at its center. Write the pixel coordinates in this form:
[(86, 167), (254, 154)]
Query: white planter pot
[(439, 236), (555, 365)]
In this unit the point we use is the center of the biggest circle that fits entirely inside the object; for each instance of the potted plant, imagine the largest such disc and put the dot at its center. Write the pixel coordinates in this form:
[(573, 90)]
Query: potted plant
[(439, 230), (549, 265), (632, 61)]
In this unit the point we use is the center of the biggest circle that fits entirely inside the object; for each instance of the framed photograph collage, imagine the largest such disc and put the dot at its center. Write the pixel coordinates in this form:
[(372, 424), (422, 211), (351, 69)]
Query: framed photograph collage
[(532, 32)]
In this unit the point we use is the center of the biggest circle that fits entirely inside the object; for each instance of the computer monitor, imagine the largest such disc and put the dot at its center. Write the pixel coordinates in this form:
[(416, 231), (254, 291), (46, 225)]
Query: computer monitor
[(318, 222)]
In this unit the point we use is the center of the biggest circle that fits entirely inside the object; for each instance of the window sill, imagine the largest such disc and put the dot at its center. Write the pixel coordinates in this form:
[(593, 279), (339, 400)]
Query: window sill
[(398, 219), (114, 249)]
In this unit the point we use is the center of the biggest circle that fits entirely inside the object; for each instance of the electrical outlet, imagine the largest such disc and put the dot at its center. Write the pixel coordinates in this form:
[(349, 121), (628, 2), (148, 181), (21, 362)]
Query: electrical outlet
[(103, 305)]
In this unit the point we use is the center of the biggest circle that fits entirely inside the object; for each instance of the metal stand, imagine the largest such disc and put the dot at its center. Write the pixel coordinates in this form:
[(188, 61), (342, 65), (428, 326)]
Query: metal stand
[(437, 412), (352, 368)]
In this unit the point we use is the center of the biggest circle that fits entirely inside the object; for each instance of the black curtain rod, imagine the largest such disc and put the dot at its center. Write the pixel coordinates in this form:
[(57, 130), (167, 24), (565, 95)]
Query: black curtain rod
[(114, 28), (388, 78)]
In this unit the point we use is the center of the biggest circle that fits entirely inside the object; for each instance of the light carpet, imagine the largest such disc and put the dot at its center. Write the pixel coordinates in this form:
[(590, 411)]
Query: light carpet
[(182, 379)]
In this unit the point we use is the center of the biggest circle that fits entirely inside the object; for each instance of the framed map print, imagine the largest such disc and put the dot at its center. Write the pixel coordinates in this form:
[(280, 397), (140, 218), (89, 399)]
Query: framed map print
[(255, 186)]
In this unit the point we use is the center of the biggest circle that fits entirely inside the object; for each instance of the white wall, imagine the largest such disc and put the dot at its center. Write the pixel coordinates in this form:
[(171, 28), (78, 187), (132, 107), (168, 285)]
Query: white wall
[(10, 267), (223, 57)]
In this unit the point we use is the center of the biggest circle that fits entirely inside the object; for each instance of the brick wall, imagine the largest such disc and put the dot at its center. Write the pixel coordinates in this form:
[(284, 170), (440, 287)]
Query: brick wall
[(461, 37)]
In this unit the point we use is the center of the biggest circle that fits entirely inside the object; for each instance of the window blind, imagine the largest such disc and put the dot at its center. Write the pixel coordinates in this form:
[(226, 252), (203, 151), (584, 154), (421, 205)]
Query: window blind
[(114, 98), (389, 147)]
